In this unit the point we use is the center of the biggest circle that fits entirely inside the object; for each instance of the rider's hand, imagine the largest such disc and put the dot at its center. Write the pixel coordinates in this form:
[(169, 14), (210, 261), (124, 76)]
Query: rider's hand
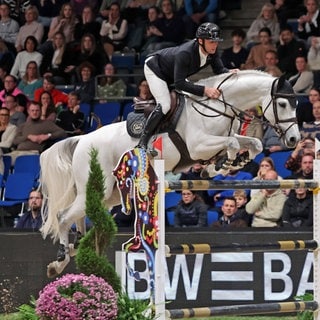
[(212, 93)]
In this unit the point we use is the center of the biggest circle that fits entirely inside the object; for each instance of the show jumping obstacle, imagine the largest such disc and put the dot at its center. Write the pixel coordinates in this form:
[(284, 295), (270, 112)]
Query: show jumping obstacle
[(266, 308)]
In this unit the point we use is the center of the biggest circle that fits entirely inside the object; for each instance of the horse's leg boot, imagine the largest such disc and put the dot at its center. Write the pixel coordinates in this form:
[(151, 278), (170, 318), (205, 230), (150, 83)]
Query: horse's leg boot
[(151, 125)]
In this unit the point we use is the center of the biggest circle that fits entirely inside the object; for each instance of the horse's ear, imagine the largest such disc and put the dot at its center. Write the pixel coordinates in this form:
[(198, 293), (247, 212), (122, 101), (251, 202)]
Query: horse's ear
[(281, 81)]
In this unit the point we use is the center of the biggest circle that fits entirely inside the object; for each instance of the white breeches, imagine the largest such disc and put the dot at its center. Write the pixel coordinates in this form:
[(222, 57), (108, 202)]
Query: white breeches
[(158, 88)]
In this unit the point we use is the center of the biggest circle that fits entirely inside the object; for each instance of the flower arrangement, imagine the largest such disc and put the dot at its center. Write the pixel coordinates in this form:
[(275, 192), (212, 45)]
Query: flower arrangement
[(77, 296)]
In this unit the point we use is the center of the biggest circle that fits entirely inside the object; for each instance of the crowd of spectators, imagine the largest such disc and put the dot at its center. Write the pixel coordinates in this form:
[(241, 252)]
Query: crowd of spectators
[(48, 43)]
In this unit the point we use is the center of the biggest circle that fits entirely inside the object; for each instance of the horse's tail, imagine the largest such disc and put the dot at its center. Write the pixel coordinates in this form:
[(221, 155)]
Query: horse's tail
[(57, 183)]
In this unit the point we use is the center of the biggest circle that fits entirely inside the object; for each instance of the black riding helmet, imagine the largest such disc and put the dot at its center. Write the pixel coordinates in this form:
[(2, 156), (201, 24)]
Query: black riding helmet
[(209, 30)]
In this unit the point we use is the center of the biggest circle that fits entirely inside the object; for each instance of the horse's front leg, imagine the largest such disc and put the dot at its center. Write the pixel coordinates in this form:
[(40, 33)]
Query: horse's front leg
[(227, 146), (252, 146)]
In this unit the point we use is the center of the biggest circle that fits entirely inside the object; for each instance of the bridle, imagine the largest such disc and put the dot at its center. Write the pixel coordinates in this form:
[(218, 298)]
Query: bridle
[(236, 111)]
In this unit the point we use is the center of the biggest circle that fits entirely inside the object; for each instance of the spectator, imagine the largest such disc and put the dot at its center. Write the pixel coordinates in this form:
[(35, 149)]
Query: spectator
[(72, 120), (65, 22), (9, 27), (219, 195), (298, 210), (271, 63), (149, 37), (266, 164), (18, 8), (59, 97), (28, 54), (47, 10), (251, 125), (32, 218), (302, 82), (31, 28), (198, 12), (272, 142), (17, 117), (10, 87), (229, 218), (266, 206), (194, 173), (191, 211), (304, 108), (312, 129), (309, 23), (313, 60), (266, 19), (56, 61), (256, 57), (87, 24), (31, 80), (88, 53), (36, 135), (113, 31), (287, 9), (48, 110), (105, 8), (306, 168), (289, 48), (241, 201), (169, 28), (235, 56), (79, 5), (110, 85), (304, 146), (7, 131), (85, 88)]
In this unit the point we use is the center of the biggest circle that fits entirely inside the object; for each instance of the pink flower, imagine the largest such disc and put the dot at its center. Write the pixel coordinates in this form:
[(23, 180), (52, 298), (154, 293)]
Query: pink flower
[(77, 297)]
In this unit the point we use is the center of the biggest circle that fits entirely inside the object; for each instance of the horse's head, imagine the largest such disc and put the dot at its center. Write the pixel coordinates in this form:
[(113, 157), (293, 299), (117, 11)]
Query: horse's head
[(280, 111)]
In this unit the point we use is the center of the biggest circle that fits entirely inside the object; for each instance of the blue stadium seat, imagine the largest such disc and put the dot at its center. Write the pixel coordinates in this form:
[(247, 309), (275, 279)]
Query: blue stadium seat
[(106, 112), (124, 60), (279, 159), (128, 107), (212, 216)]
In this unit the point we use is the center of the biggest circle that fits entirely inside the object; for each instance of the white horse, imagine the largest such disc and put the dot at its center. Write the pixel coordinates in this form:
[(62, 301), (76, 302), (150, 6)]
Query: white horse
[(206, 126)]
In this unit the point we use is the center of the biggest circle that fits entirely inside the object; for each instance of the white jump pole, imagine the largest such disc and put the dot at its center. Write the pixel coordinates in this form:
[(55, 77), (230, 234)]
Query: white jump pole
[(160, 253), (316, 230)]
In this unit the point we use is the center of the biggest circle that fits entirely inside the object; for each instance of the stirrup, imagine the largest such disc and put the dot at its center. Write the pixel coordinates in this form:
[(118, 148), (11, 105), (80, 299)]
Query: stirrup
[(153, 152)]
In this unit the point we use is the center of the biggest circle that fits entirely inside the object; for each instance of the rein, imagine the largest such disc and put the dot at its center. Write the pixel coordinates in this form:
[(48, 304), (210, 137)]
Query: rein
[(236, 111)]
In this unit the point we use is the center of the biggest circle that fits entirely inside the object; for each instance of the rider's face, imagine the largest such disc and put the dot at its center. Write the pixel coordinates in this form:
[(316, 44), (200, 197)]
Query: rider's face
[(209, 45)]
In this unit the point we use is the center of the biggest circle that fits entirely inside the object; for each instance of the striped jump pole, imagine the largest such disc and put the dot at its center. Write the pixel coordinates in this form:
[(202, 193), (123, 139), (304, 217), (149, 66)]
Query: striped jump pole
[(207, 248), (247, 309), (239, 184)]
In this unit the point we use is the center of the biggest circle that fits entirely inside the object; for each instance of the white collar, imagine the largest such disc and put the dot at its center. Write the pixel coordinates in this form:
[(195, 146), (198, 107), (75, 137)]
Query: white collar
[(203, 57)]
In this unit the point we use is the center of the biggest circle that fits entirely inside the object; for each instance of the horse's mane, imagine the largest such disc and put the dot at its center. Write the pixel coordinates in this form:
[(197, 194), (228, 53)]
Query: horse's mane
[(220, 77)]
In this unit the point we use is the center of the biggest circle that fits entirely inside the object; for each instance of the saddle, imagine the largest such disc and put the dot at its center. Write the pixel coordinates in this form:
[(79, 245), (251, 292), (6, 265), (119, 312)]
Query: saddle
[(142, 109)]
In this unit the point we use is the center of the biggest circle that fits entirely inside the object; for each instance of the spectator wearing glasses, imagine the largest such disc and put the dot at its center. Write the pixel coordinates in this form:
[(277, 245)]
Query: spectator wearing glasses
[(32, 219), (16, 116), (191, 211)]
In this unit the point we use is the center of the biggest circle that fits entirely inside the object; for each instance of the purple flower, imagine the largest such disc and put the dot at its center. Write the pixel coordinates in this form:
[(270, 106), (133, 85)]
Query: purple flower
[(77, 297)]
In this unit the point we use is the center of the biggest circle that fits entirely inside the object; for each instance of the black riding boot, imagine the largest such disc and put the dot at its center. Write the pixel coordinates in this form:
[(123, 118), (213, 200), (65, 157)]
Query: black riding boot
[(150, 126)]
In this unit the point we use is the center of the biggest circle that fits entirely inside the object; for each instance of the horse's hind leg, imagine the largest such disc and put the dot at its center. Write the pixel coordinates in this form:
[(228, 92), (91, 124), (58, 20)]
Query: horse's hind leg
[(66, 218)]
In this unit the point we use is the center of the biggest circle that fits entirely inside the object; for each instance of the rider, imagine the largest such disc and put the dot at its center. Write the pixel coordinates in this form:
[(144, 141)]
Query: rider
[(173, 66)]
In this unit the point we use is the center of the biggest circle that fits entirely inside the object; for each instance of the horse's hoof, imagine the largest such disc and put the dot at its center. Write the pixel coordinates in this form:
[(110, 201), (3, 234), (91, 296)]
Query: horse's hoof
[(61, 254), (51, 271), (220, 163)]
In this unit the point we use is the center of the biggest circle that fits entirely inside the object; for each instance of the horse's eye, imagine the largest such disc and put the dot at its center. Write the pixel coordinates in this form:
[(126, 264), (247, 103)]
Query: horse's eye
[(282, 104)]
